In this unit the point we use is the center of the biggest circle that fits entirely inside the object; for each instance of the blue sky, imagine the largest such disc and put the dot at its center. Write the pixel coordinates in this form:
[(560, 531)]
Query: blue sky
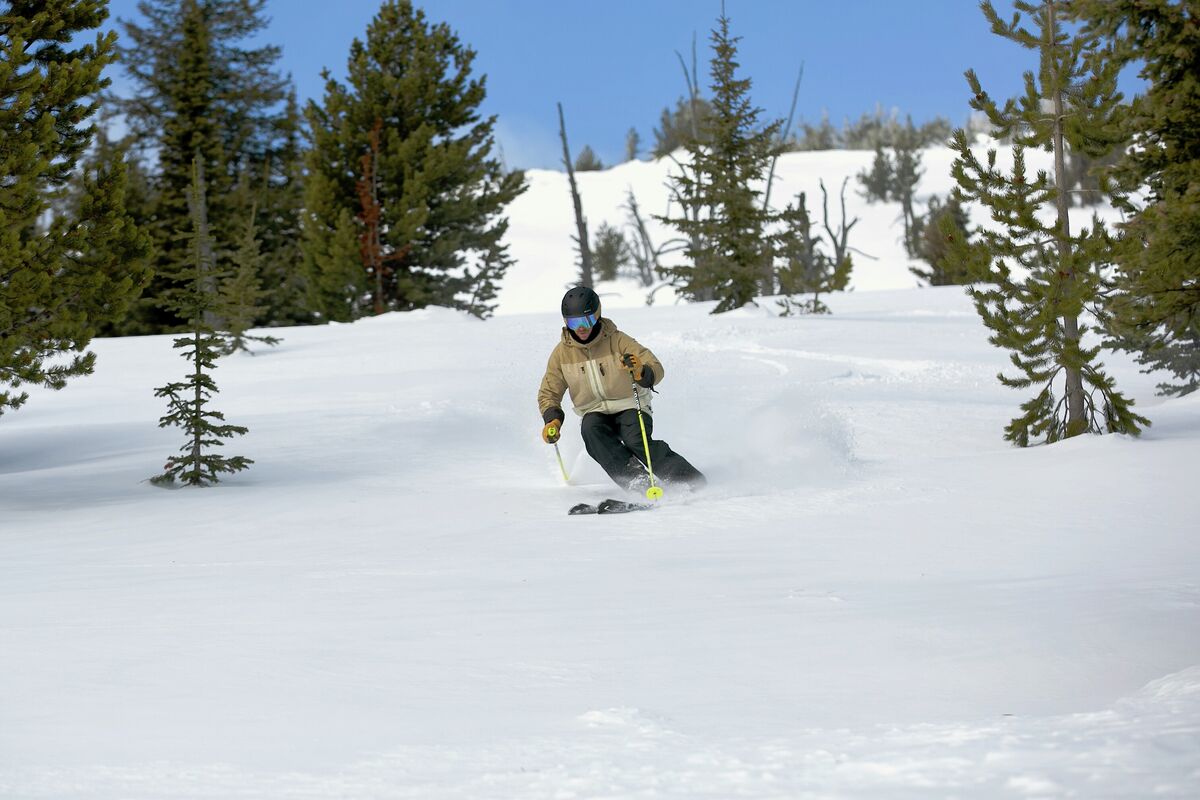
[(613, 64)]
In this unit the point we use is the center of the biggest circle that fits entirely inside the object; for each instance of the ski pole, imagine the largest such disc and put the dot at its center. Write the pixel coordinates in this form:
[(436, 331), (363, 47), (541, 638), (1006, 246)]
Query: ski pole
[(561, 466), (654, 492)]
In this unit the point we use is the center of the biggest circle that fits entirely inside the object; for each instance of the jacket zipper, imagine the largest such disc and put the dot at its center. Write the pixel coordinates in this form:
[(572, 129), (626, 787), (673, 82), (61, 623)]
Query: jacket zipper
[(590, 370)]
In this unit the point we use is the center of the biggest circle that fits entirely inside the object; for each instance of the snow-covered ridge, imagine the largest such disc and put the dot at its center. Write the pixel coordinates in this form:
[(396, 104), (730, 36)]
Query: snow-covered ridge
[(542, 219)]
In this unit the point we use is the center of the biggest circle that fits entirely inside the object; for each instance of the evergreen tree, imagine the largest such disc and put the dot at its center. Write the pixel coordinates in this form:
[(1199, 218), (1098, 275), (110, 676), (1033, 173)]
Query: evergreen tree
[(684, 124), (1034, 311), (192, 131), (895, 175), (198, 91), (871, 131), (587, 160), (104, 151), (441, 192), (728, 239), (878, 181), (279, 198), (241, 299), (906, 173), (822, 136), (58, 280), (188, 400), (492, 265), (935, 233), (244, 87), (807, 268), (610, 252), (375, 257), (633, 144), (935, 132), (1154, 310)]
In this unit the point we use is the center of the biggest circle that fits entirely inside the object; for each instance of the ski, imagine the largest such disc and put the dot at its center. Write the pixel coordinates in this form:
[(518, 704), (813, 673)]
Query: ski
[(622, 507), (609, 506)]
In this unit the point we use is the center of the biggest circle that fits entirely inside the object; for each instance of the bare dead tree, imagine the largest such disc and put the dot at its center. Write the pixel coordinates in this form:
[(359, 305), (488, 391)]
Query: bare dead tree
[(641, 247), (581, 234), (768, 276), (692, 79), (806, 268), (783, 136), (689, 208), (840, 239)]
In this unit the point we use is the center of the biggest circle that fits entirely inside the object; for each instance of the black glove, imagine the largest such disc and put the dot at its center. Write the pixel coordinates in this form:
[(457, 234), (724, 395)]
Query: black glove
[(642, 374)]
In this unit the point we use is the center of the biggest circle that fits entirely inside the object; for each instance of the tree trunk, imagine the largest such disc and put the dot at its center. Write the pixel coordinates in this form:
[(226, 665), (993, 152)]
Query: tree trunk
[(197, 412), (647, 257), (585, 251), (370, 241), (1076, 417)]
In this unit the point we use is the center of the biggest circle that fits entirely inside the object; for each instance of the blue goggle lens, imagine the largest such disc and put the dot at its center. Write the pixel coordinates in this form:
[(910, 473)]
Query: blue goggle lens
[(578, 323)]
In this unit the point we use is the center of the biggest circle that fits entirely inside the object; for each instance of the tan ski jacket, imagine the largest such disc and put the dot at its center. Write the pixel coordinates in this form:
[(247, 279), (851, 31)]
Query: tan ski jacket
[(593, 373)]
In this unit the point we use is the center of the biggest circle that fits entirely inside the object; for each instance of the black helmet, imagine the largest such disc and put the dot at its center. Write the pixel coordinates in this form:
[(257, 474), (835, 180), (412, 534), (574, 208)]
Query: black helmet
[(580, 301)]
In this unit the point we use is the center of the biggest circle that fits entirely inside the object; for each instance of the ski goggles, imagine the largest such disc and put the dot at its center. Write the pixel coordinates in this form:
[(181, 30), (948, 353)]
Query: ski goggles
[(579, 323)]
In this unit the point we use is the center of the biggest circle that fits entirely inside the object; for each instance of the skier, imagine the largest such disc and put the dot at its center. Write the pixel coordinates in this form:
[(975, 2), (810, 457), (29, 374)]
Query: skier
[(599, 364)]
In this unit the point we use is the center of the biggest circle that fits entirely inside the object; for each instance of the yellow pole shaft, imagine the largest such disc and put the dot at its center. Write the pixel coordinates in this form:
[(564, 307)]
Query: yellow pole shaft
[(645, 444), (561, 466), (654, 493)]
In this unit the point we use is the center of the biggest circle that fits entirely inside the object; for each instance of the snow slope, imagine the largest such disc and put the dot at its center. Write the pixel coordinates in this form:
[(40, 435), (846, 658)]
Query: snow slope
[(876, 597), (543, 221)]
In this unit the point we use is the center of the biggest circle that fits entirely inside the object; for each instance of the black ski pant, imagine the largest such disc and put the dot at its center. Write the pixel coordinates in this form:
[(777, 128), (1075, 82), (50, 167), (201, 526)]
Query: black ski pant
[(614, 439)]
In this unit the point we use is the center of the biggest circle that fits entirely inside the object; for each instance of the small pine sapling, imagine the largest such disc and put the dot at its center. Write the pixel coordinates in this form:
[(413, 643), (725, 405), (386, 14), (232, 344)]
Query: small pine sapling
[(188, 400)]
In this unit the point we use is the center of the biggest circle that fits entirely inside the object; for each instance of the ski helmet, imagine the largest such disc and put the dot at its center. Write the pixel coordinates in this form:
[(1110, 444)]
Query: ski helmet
[(580, 301)]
